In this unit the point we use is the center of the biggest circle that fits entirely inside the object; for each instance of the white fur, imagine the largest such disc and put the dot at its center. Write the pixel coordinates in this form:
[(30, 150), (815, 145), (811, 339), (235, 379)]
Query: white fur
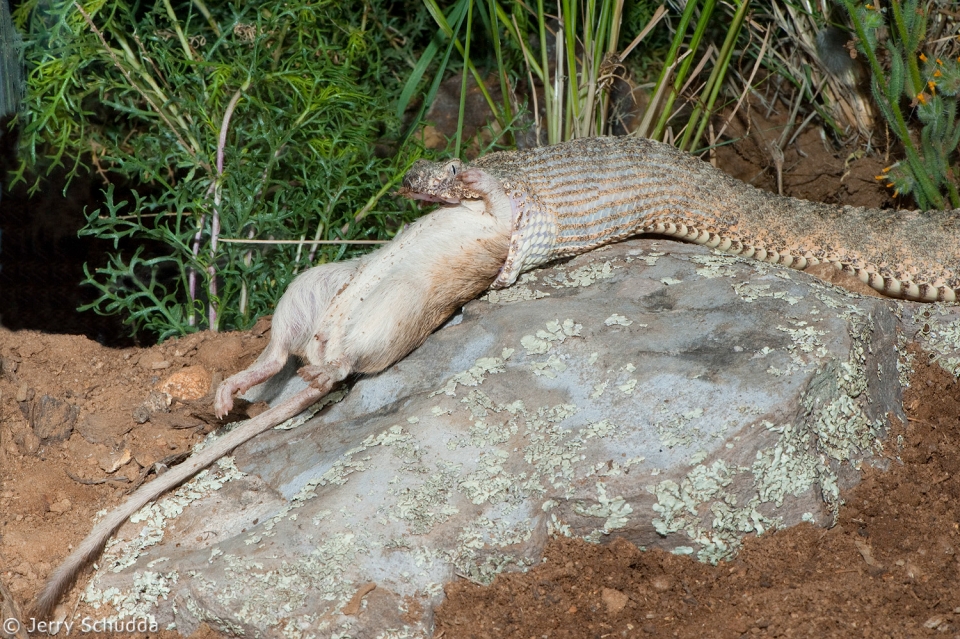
[(358, 316)]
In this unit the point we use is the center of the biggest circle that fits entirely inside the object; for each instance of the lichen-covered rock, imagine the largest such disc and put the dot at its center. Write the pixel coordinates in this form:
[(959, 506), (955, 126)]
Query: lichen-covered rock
[(654, 391), (936, 328)]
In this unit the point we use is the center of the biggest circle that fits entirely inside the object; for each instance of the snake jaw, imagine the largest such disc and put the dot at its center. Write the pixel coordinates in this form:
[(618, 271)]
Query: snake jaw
[(437, 182), (427, 197)]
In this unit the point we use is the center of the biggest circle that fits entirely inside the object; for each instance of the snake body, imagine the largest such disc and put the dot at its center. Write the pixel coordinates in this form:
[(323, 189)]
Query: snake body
[(575, 196)]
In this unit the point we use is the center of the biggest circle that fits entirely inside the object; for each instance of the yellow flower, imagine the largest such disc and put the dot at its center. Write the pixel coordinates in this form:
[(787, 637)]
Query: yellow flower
[(937, 74), (921, 98), (932, 85), (923, 58)]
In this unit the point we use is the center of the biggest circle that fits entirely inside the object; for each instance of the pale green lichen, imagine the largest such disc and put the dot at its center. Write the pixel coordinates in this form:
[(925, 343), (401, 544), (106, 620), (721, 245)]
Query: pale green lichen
[(319, 575), (678, 507), (557, 527), (612, 468), (600, 429), (834, 400), (618, 320), (750, 291), (584, 276), (651, 258), (121, 554), (615, 511), (628, 387), (598, 389), (676, 430), (490, 483), (905, 360), (138, 603), (428, 504), (298, 420), (806, 338), (473, 376), (805, 349), (940, 338), (521, 450), (549, 368), (790, 467), (513, 294), (715, 265), (477, 556), (520, 291), (555, 333), (405, 632)]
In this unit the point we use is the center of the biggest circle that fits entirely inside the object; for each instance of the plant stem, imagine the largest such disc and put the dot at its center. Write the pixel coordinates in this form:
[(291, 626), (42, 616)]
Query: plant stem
[(911, 53), (681, 75), (463, 82), (504, 90), (176, 25), (549, 97), (217, 197), (928, 190), (126, 74), (199, 4), (669, 63), (192, 275), (714, 82)]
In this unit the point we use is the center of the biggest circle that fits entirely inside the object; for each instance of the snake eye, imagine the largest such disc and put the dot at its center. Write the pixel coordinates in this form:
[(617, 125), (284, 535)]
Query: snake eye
[(453, 169)]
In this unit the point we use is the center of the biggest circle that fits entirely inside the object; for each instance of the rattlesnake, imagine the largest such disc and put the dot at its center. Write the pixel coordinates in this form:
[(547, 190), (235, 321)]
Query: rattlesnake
[(572, 197)]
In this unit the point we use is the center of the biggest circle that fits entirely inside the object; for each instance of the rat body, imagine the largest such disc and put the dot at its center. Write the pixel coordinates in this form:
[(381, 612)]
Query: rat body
[(359, 316)]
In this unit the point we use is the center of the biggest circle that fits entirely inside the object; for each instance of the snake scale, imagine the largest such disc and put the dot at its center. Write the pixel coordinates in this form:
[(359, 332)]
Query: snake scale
[(572, 197)]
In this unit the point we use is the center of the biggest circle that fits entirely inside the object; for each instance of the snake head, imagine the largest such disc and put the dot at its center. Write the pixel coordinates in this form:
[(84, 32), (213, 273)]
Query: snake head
[(436, 182)]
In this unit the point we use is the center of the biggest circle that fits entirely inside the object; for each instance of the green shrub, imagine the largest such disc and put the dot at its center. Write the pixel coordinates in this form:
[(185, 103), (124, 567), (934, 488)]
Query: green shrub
[(213, 128), (930, 84)]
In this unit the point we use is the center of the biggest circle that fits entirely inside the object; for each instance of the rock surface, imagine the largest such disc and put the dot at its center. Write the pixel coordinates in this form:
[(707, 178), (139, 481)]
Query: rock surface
[(651, 390)]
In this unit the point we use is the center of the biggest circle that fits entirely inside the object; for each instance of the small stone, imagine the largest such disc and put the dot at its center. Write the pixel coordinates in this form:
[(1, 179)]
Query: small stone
[(113, 461), (107, 429), (614, 600), (147, 456), (156, 402), (192, 382), (26, 440), (61, 506), (141, 414), (53, 419), (153, 361), (8, 366), (934, 622)]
